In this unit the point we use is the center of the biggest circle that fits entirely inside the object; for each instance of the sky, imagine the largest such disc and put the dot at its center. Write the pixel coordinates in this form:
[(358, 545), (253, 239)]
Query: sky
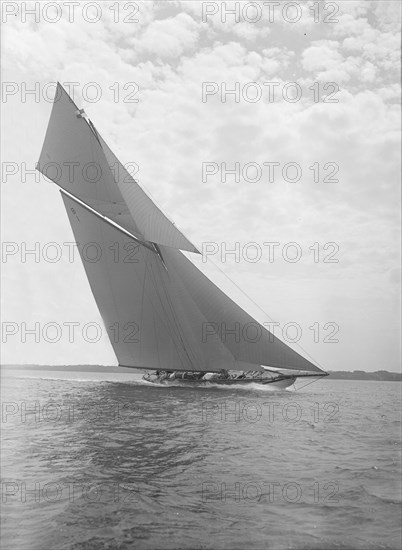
[(315, 90)]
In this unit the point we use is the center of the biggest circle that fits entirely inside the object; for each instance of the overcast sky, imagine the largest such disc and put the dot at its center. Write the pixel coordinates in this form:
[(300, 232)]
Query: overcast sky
[(170, 132)]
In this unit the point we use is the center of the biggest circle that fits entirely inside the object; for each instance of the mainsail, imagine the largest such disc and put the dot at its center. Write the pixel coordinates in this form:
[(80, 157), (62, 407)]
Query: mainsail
[(160, 311)]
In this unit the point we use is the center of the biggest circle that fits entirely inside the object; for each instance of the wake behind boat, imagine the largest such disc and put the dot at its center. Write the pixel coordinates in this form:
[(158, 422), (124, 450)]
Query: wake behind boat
[(160, 312)]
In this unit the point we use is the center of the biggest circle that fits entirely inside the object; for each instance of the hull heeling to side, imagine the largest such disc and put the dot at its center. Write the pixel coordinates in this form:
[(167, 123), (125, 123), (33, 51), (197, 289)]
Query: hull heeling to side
[(282, 383)]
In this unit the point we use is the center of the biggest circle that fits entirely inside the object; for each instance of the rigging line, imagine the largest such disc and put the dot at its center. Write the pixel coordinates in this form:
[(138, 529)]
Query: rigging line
[(142, 305), (180, 287), (171, 332), (156, 340), (164, 320), (259, 307), (148, 270), (179, 328)]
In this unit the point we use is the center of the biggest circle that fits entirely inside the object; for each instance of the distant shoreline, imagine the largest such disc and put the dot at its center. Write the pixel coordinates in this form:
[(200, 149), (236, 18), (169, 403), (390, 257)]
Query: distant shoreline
[(380, 376)]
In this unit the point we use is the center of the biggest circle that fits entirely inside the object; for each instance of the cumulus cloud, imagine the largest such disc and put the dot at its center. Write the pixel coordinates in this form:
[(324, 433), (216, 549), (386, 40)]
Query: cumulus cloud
[(323, 54), (169, 37)]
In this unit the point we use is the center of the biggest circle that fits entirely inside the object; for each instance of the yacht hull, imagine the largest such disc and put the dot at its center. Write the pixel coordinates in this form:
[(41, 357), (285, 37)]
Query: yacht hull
[(279, 384)]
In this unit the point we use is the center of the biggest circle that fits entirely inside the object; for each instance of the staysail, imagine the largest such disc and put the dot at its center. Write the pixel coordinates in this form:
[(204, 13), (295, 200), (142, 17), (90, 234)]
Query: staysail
[(76, 157), (160, 311)]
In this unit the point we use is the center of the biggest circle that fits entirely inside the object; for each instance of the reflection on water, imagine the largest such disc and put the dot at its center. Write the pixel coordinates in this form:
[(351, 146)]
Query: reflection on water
[(119, 464)]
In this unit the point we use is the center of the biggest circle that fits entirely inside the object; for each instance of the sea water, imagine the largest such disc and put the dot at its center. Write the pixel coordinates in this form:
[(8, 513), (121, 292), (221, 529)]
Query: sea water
[(106, 461)]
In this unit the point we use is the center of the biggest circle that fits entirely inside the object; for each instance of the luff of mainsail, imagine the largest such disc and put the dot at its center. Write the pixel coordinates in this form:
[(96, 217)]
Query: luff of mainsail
[(75, 156), (167, 303)]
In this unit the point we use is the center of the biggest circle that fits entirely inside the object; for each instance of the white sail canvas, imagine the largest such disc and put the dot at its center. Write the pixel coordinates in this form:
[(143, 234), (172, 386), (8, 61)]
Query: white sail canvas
[(76, 157)]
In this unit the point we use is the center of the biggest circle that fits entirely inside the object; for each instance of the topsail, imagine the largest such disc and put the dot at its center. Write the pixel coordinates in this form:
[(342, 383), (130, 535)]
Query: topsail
[(160, 311), (75, 156)]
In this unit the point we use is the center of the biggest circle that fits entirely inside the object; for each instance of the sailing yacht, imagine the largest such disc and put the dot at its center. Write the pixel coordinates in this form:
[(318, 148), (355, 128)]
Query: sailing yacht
[(155, 303)]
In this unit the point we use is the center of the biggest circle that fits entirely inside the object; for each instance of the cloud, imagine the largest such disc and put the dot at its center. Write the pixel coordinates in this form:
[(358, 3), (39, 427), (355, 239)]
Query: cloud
[(170, 132), (168, 38), (323, 54)]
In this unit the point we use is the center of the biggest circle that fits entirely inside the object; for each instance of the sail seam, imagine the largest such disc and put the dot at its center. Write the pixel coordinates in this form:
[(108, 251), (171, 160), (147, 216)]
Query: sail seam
[(179, 328), (172, 335)]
